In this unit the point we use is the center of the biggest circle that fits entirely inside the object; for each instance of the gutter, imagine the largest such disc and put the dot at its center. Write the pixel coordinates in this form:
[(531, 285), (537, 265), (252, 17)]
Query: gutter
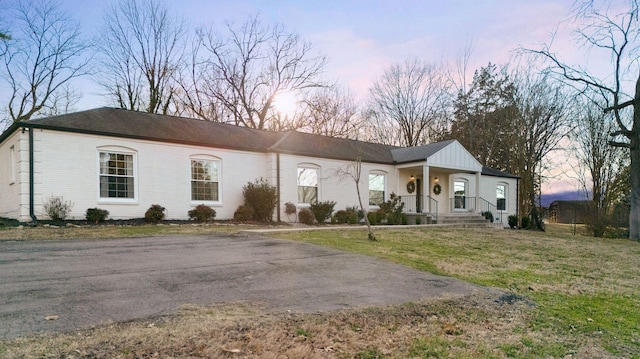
[(278, 184), (34, 219)]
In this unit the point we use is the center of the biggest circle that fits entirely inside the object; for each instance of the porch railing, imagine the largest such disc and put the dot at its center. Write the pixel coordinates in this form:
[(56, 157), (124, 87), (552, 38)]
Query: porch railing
[(486, 206), (416, 204), (462, 204)]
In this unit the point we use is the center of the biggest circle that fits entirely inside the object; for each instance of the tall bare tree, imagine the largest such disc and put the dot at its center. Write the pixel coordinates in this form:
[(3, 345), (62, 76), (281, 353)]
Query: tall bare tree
[(244, 70), (601, 167), (141, 47), (537, 127), (614, 28), (408, 102), (332, 112), (45, 53)]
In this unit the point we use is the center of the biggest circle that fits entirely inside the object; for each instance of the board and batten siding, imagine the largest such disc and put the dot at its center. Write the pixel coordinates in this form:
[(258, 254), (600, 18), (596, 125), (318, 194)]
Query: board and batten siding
[(162, 175), (454, 157)]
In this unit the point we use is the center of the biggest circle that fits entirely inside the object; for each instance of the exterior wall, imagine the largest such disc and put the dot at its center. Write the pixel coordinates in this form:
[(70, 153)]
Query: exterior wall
[(488, 192), (330, 186), (14, 177), (69, 166)]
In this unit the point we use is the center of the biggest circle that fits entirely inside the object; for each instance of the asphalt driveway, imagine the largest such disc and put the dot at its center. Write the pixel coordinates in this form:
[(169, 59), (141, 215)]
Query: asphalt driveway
[(85, 283)]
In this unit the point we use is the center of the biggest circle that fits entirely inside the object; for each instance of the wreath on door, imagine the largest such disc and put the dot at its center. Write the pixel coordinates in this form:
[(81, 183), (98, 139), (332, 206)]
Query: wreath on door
[(437, 189), (411, 186)]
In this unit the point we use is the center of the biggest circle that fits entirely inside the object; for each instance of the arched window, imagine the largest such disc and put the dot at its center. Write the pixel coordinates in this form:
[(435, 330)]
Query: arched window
[(501, 197), (460, 193), (377, 187)]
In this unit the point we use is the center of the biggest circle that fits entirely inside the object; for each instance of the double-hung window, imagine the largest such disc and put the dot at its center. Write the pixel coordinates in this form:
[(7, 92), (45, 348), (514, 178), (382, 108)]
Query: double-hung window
[(501, 197), (205, 180), (376, 189), (117, 177), (307, 185)]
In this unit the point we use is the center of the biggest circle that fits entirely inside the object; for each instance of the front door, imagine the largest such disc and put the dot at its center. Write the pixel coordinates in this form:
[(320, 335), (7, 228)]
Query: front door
[(459, 195)]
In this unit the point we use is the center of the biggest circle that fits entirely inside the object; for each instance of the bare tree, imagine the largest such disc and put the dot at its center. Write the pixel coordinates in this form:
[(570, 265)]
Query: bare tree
[(141, 48), (44, 54), (536, 130), (353, 172), (617, 33), (243, 71), (407, 102), (332, 112), (602, 165)]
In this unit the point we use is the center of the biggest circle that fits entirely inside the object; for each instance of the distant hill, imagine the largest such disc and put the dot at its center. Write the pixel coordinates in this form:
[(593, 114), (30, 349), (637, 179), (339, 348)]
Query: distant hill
[(547, 198)]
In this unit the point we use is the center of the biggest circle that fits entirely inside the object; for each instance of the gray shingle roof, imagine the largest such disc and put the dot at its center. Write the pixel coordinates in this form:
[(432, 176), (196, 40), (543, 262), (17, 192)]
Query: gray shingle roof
[(140, 125), (418, 153)]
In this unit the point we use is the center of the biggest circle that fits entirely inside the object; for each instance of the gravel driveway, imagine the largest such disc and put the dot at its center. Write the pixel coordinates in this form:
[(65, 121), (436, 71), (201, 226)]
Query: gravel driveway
[(85, 283)]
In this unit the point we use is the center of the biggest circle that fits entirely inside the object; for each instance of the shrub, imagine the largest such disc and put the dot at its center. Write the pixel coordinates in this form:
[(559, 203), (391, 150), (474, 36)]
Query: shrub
[(357, 211), (346, 216), (306, 216), (392, 210), (154, 214), (418, 220), (202, 213), (322, 210), (96, 215), (290, 208), (374, 218), (488, 215), (57, 208), (525, 222), (262, 197), (513, 221), (244, 213)]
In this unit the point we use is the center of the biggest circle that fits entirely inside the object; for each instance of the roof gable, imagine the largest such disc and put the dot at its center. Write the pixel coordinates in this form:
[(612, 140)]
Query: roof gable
[(448, 154)]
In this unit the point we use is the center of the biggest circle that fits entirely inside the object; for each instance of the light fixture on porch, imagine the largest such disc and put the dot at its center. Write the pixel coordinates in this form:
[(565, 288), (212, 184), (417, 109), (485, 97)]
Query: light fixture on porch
[(436, 179), (412, 178)]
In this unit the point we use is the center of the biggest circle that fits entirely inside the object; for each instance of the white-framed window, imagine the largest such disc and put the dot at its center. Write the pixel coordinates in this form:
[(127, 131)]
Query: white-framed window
[(501, 197), (13, 164), (307, 185), (117, 175), (377, 185), (460, 187), (205, 180)]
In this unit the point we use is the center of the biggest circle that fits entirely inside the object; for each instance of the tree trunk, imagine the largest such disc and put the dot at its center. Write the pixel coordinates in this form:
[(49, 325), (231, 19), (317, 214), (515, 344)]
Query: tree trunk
[(634, 201)]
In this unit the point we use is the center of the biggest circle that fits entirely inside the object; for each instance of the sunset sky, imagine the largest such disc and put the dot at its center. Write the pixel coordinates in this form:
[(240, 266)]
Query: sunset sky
[(362, 38)]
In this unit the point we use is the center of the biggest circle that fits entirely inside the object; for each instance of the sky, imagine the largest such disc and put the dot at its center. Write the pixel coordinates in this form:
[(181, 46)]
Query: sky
[(362, 38)]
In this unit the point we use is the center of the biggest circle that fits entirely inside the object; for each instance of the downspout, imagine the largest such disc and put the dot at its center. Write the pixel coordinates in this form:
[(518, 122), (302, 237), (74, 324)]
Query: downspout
[(34, 219), (278, 183), (518, 199)]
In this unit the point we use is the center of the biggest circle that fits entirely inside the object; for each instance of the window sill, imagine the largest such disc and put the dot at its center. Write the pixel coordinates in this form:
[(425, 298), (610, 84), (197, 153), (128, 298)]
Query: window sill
[(117, 201), (206, 203)]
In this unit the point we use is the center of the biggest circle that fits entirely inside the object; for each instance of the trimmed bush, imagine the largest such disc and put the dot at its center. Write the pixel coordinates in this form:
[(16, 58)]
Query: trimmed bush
[(526, 222), (290, 208), (322, 210), (57, 208), (346, 216), (306, 216), (154, 214), (374, 218), (513, 221), (244, 213), (262, 197), (202, 213), (96, 215), (357, 211)]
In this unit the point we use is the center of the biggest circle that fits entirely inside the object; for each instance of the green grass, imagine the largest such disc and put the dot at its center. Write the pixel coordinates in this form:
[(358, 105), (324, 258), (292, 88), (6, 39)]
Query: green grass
[(585, 289)]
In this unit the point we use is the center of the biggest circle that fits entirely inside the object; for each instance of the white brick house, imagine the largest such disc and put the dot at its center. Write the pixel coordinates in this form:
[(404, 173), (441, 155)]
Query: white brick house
[(125, 161)]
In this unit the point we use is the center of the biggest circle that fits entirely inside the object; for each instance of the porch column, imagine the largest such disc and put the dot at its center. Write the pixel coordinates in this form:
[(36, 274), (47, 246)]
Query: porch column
[(478, 177), (425, 190)]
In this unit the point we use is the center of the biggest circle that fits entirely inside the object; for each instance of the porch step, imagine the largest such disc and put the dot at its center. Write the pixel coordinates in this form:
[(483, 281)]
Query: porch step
[(467, 219)]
